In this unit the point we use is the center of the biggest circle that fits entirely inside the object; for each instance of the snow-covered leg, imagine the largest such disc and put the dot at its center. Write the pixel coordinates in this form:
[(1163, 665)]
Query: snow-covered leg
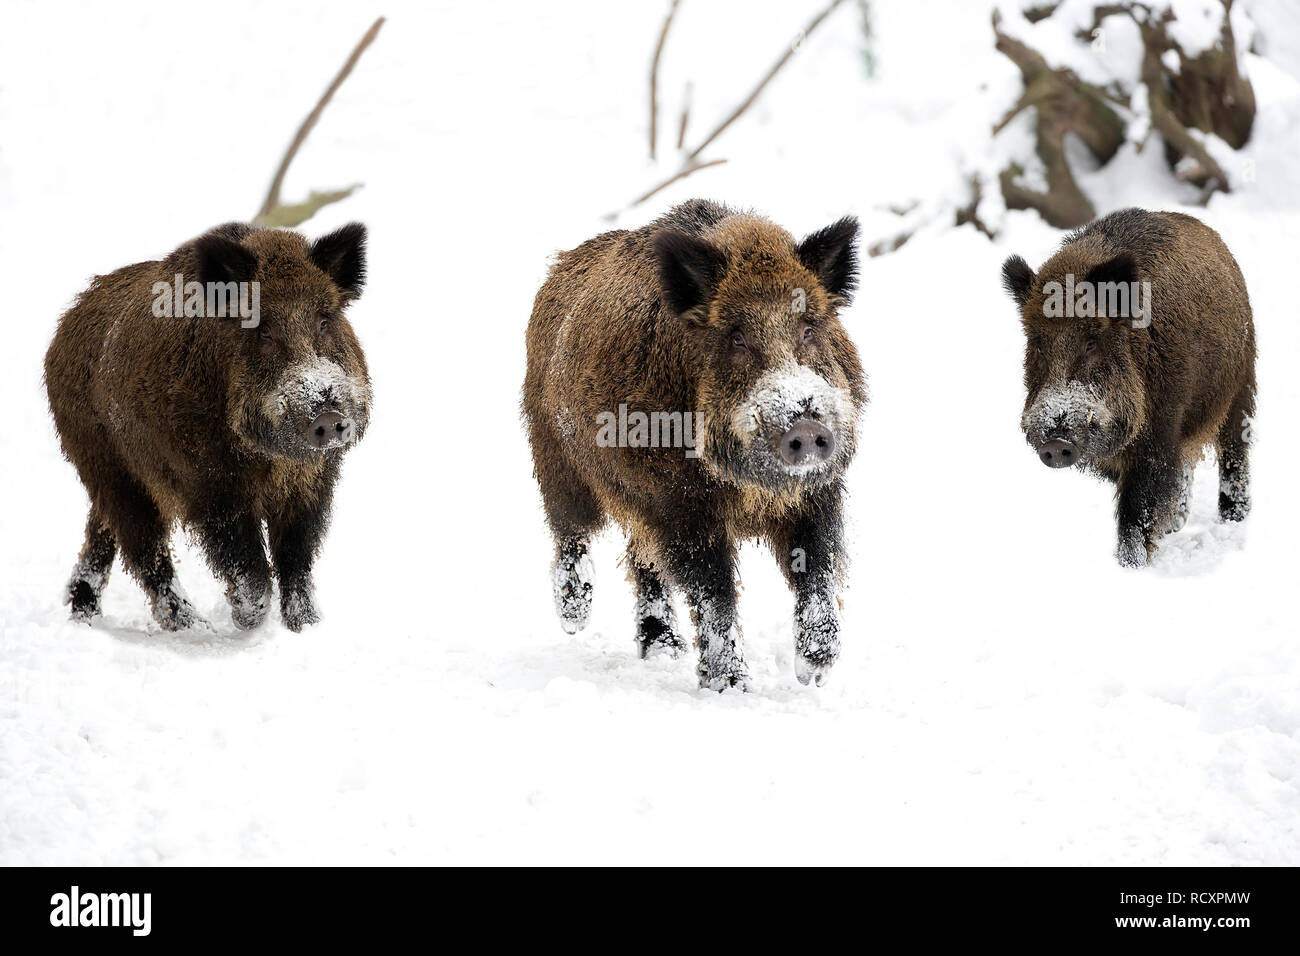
[(295, 537), (92, 569), (1234, 491), (703, 563), (1148, 495), (172, 609), (571, 583), (232, 542), (816, 636), (656, 623), (1234, 458), (1184, 506), (142, 536), (574, 515), (721, 666), (809, 549)]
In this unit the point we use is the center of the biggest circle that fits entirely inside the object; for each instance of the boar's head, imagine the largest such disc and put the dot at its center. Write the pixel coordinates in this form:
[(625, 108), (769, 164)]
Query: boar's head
[(295, 376), (778, 385), (1085, 396)]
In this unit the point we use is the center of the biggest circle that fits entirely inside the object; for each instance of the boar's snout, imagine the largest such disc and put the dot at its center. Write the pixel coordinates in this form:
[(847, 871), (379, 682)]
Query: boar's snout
[(330, 428), (807, 442), (1058, 453)]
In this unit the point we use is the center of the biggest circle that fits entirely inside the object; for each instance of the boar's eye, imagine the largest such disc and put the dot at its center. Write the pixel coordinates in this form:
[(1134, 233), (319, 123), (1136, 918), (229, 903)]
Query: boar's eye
[(1089, 346), (738, 342), (807, 333), (324, 323), (265, 333)]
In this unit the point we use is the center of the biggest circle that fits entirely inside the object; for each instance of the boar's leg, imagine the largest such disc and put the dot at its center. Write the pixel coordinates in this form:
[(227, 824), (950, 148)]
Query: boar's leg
[(703, 564), (808, 548), (574, 515), (1148, 499), (571, 581), (295, 537), (92, 570), (142, 535), (656, 624), (232, 541), (1234, 458), (1184, 508)]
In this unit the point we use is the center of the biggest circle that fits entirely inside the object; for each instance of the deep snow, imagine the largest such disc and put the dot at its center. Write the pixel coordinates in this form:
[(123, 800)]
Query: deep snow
[(1006, 694)]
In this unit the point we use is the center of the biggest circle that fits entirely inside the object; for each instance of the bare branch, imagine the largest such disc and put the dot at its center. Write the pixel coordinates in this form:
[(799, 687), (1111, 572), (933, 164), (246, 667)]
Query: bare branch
[(654, 76), (273, 194), (686, 118), (686, 170), (692, 163), (767, 78)]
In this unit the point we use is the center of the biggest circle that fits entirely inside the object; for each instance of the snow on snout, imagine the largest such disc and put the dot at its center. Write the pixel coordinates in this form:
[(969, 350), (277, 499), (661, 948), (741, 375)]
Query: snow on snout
[(783, 395), (1065, 408), (314, 386)]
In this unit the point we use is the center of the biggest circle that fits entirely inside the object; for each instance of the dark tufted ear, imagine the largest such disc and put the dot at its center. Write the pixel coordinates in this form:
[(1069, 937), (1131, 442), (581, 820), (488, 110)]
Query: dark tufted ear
[(1017, 279), (220, 258), (689, 270), (341, 255), (1119, 268), (831, 255)]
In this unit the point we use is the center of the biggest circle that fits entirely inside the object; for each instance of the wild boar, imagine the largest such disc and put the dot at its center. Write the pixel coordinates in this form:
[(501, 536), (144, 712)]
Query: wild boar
[(691, 381), (1140, 352), (183, 409)]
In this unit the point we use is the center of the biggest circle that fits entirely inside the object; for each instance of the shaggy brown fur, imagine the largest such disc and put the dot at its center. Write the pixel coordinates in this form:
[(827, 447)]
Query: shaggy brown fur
[(688, 315), (1139, 404), (205, 422)]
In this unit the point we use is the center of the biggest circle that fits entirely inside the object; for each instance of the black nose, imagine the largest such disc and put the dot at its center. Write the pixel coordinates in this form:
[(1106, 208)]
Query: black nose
[(329, 427), (807, 443), (1058, 453)]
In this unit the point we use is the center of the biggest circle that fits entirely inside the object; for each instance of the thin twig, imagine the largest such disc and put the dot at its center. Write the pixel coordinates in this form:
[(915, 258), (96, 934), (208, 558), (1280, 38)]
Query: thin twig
[(654, 76), (273, 194), (692, 163), (776, 68), (680, 174), (686, 118)]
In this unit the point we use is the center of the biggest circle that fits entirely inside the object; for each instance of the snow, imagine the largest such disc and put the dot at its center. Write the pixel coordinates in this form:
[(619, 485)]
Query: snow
[(783, 394), (1004, 694)]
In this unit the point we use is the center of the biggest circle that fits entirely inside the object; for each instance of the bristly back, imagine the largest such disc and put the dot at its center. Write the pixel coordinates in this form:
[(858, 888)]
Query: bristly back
[(693, 216), (1139, 230)]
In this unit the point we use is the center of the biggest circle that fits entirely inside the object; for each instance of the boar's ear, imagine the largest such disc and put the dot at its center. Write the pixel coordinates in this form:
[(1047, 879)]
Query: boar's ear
[(1017, 279), (222, 259), (689, 270), (1119, 268), (831, 255), (341, 255)]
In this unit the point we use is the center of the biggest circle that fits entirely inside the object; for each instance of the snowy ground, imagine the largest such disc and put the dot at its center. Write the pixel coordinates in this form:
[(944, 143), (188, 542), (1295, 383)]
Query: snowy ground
[(1006, 694)]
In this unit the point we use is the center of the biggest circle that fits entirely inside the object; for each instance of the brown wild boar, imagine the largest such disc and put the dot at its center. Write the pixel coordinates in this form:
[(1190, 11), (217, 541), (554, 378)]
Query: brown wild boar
[(691, 381), (1139, 352), (185, 409)]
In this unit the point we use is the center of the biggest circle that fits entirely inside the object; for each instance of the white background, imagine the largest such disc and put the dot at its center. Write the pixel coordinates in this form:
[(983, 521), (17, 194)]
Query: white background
[(1006, 693)]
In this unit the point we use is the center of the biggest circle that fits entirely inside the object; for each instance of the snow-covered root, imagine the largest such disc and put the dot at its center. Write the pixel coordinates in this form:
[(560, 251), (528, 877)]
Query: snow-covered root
[(571, 582), (816, 638)]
